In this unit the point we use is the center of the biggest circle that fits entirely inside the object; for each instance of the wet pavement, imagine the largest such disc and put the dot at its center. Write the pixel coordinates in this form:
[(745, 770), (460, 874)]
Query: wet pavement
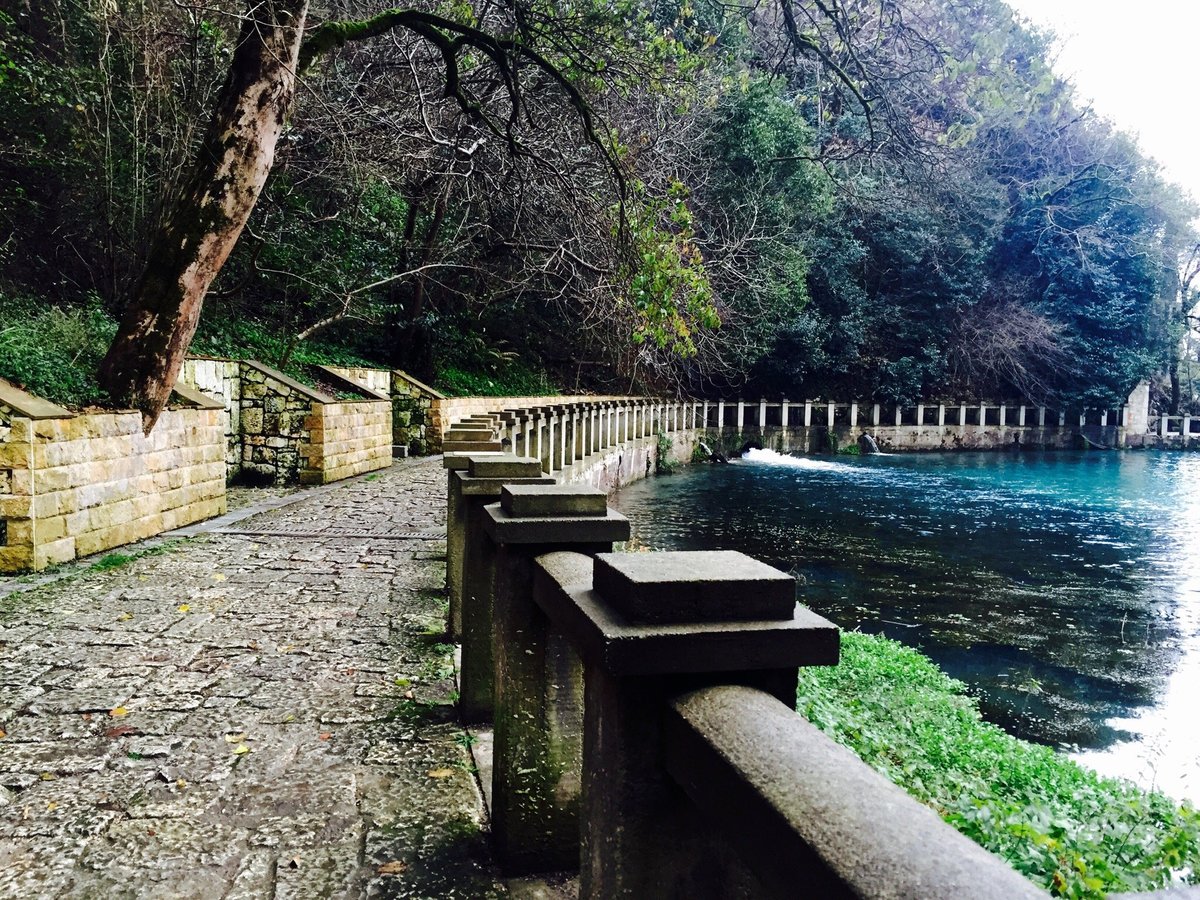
[(262, 711)]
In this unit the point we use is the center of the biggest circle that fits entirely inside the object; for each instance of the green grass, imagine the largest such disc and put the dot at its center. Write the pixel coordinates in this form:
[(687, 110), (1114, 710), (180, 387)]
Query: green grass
[(513, 379), (1066, 828), (52, 352)]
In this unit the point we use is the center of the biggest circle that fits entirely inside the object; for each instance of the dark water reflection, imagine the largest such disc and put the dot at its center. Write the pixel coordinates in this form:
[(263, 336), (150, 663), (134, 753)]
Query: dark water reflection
[(1063, 588)]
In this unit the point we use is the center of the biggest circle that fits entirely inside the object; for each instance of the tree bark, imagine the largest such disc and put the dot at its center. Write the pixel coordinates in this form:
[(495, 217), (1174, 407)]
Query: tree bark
[(234, 160)]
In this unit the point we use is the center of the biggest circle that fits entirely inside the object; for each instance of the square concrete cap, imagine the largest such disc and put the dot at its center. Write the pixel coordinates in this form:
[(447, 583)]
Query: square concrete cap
[(693, 586), (520, 500), (505, 466), (462, 461), (606, 528), (471, 446)]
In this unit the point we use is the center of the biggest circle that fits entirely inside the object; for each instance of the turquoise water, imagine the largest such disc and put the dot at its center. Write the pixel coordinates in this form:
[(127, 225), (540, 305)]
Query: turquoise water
[(1063, 588)]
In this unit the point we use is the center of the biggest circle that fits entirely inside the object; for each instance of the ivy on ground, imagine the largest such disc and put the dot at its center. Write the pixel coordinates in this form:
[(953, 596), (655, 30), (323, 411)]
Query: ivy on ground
[(1067, 829)]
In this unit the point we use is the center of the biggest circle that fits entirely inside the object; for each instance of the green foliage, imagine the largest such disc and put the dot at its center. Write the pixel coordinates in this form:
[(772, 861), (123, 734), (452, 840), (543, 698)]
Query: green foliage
[(515, 379), (1068, 829), (667, 285), (54, 352), (251, 339), (663, 464)]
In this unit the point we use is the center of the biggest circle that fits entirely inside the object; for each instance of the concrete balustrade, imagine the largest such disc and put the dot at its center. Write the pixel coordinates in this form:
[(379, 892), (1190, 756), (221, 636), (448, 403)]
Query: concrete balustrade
[(470, 619), (645, 731)]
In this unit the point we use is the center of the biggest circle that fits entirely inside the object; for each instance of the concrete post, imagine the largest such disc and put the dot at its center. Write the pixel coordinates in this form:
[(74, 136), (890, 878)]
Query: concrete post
[(1003, 415), (807, 413), (479, 486), (783, 413), (853, 415), (720, 414), (456, 532), (875, 414), (941, 415), (1083, 418), (741, 415), (762, 413), (962, 415), (1062, 418), (982, 417), (830, 414), (899, 415), (539, 687), (920, 414), (647, 633), (704, 415), (1021, 416), (1041, 417), (1104, 418), (1186, 428), (1164, 425)]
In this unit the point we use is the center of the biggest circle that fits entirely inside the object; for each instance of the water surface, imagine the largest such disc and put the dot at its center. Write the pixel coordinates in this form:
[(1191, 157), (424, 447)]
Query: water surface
[(1063, 588)]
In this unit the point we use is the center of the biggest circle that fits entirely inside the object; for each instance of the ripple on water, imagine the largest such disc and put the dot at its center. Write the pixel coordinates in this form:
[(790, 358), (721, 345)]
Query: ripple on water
[(1081, 571)]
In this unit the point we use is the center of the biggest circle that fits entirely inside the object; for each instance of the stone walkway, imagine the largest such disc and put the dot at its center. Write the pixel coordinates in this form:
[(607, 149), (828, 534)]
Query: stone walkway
[(264, 712)]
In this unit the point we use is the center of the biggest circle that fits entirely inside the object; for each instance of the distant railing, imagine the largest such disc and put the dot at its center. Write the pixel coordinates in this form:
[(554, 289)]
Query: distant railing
[(832, 414)]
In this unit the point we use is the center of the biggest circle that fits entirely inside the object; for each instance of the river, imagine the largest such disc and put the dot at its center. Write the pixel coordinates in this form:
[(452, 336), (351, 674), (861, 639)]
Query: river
[(1062, 588)]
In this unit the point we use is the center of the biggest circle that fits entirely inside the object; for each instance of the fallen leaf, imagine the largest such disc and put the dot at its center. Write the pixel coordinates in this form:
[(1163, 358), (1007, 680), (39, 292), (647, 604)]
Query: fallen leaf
[(181, 784), (217, 576), (183, 607), (48, 776), (440, 773), (392, 868), (119, 731), (241, 750), (324, 735), (118, 711), (235, 737), (51, 806), (125, 617), (3, 734)]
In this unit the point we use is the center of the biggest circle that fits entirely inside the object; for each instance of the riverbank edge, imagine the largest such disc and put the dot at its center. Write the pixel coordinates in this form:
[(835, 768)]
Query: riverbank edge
[(1068, 829)]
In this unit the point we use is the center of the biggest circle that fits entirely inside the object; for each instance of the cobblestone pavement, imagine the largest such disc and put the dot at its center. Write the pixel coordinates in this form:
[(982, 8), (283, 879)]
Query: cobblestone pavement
[(260, 713)]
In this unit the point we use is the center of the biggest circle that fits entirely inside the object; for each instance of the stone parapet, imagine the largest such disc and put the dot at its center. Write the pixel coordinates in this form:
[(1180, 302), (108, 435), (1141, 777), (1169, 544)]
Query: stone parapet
[(80, 484)]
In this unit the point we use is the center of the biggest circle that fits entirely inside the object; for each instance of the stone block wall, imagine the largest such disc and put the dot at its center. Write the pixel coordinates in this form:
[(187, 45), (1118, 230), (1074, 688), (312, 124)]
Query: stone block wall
[(78, 485), (412, 403), (345, 439), (274, 409), (221, 379)]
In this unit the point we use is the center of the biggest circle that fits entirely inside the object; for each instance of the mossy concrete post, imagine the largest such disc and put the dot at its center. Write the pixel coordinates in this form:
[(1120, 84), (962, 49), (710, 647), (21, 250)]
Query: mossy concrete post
[(456, 534), (479, 486), (539, 685), (650, 626)]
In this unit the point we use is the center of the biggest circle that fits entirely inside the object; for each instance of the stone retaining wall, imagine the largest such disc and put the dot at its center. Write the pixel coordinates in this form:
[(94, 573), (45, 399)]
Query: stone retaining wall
[(282, 431), (345, 439), (77, 485), (412, 403)]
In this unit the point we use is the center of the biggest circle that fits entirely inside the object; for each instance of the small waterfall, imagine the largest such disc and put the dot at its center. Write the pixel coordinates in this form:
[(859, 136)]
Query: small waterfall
[(866, 444)]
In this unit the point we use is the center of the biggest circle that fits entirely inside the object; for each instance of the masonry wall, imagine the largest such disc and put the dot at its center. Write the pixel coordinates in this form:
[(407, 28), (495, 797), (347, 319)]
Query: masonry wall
[(412, 403), (77, 486), (222, 380), (273, 415), (345, 439)]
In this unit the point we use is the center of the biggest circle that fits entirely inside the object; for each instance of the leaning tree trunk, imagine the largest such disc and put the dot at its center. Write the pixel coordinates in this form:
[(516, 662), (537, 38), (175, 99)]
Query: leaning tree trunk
[(145, 358)]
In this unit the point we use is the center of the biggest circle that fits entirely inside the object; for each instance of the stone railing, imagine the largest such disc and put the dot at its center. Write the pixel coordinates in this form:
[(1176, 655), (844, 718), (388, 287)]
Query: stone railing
[(1175, 432), (605, 443), (644, 729), (810, 425)]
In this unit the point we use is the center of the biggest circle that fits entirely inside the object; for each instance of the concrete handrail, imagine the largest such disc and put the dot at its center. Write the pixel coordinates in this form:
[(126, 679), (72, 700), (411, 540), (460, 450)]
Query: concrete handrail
[(803, 810)]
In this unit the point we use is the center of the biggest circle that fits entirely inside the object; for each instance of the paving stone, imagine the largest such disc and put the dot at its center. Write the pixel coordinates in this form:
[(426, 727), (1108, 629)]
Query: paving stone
[(262, 745)]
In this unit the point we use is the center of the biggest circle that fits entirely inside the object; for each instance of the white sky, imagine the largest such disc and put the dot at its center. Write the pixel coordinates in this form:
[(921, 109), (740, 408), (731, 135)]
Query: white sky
[(1138, 64)]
